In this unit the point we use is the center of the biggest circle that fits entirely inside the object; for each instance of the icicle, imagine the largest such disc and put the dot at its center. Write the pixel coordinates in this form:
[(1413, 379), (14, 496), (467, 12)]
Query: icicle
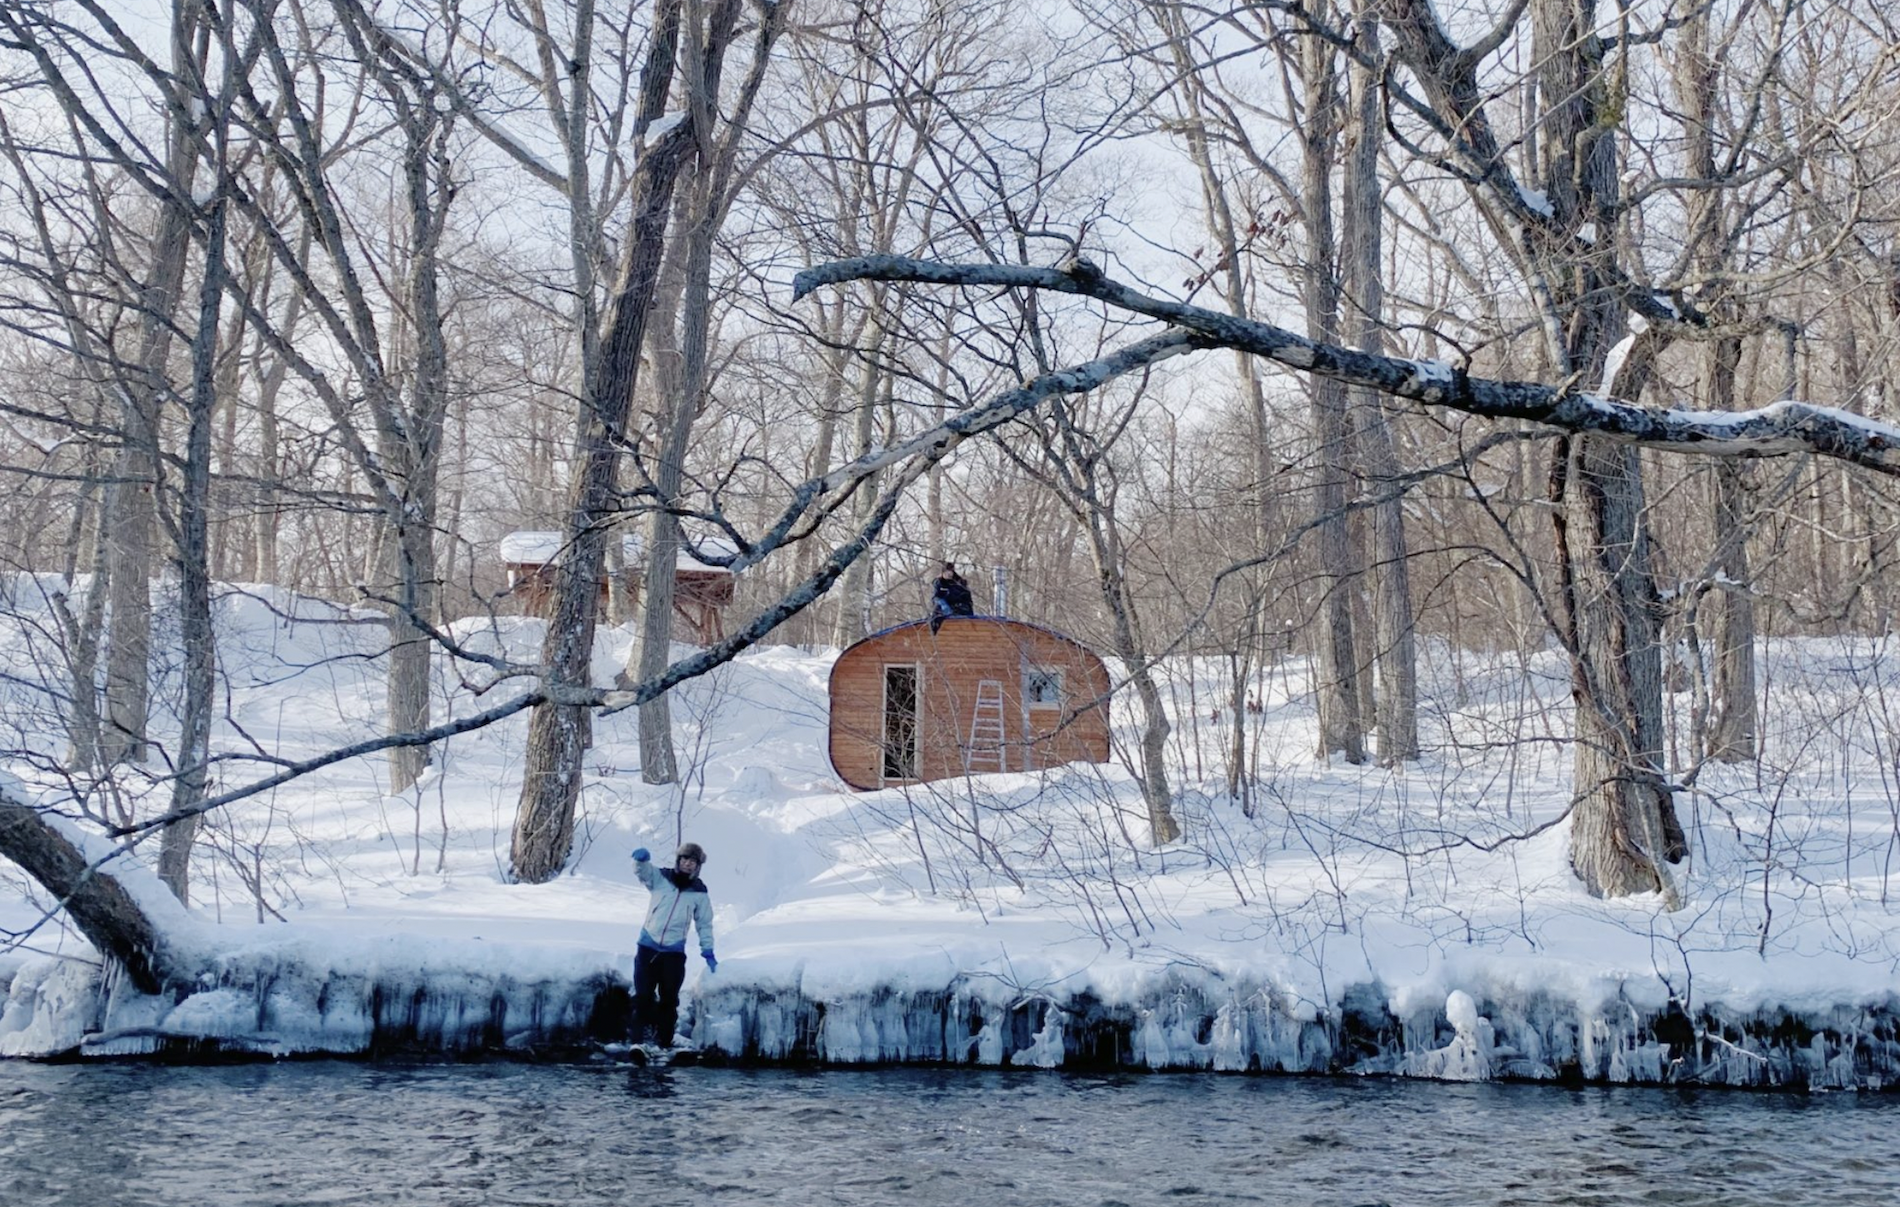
[(1468, 1056), (1046, 1050)]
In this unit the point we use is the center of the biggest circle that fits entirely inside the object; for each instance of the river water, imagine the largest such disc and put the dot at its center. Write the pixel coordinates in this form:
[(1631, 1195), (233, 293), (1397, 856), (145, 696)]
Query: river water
[(331, 1132)]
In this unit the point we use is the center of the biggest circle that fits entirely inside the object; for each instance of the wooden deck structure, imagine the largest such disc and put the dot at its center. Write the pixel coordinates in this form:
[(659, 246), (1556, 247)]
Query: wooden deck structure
[(701, 593), (983, 694)]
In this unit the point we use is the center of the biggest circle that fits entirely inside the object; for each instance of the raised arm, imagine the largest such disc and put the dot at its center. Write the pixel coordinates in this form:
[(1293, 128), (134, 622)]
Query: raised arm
[(644, 869)]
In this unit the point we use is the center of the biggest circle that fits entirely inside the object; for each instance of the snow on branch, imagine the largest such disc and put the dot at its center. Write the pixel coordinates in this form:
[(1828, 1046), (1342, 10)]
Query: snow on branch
[(1774, 430)]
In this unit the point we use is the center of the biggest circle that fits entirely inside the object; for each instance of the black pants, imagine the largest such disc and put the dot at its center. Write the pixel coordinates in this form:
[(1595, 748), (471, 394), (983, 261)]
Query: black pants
[(656, 994)]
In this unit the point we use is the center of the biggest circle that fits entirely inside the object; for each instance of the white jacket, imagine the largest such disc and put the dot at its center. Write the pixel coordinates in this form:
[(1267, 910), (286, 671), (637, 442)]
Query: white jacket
[(671, 906)]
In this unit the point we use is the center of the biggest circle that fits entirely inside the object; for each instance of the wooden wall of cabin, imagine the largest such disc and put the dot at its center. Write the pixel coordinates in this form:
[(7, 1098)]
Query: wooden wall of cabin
[(700, 598), (952, 665)]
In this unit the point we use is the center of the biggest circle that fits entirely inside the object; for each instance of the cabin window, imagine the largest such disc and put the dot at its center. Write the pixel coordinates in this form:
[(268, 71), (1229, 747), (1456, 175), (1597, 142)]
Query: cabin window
[(900, 722), (1042, 687)]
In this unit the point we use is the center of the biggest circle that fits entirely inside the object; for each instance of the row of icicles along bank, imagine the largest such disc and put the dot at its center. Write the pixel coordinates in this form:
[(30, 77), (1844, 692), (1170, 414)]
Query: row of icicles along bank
[(66, 1008)]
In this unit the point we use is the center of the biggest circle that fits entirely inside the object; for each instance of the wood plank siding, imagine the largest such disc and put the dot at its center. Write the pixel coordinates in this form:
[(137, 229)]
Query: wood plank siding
[(1047, 702), (700, 597)]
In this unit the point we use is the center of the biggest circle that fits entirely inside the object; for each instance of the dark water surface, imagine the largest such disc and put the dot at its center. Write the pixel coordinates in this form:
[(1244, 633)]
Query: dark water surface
[(339, 1133)]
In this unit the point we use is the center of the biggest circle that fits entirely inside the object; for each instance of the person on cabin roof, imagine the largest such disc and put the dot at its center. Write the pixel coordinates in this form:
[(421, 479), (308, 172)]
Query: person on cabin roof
[(951, 597), (677, 896)]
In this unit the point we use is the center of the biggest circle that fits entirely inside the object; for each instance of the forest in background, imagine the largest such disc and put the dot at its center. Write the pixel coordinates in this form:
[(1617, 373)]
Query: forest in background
[(1231, 332)]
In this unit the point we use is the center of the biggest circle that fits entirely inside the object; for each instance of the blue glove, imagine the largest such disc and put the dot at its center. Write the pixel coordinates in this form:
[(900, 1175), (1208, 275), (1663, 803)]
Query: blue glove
[(641, 854), (712, 965)]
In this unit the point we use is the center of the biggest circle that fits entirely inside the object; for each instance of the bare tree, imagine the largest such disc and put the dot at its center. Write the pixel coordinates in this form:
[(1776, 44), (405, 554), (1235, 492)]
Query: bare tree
[(1394, 656), (1076, 460), (680, 362), (558, 732)]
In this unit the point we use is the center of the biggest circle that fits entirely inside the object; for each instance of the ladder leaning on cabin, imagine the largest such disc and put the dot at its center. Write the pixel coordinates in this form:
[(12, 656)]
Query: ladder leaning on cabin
[(986, 730)]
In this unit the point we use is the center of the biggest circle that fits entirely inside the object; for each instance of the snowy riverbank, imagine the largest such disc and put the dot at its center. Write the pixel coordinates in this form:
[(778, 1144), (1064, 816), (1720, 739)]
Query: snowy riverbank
[(1343, 919)]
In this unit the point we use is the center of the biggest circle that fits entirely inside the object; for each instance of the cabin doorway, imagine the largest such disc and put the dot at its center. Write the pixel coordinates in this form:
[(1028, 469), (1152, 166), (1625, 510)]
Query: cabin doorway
[(900, 723)]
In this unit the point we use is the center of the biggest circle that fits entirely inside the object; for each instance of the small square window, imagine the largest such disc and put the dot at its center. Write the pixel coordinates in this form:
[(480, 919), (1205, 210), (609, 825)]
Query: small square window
[(1042, 688)]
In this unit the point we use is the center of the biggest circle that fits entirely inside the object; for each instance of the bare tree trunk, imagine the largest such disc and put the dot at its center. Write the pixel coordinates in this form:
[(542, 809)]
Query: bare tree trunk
[(1731, 730), (133, 528), (855, 592), (1155, 727), (194, 565), (91, 519), (1732, 721), (806, 556), (1336, 667), (416, 451), (677, 385), (703, 214), (1075, 466), (1394, 658), (1623, 828), (408, 700), (1219, 216), (265, 524), (82, 724), (558, 730)]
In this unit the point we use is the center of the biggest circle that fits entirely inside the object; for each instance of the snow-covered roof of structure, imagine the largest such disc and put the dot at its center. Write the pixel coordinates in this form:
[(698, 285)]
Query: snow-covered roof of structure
[(542, 548)]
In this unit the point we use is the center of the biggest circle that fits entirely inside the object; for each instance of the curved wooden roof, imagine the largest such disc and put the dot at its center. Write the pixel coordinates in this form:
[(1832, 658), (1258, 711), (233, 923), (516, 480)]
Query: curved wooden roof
[(949, 620)]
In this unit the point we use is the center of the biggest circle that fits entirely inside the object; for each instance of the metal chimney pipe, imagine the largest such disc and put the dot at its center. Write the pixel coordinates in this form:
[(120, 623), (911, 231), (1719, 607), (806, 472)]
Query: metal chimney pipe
[(1000, 606)]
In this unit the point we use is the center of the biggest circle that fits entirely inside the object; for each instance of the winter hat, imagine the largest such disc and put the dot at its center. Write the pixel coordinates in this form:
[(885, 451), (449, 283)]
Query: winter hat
[(691, 850)]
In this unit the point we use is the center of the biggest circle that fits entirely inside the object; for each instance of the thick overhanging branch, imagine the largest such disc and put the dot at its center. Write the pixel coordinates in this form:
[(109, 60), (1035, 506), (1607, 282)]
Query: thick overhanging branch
[(1774, 430)]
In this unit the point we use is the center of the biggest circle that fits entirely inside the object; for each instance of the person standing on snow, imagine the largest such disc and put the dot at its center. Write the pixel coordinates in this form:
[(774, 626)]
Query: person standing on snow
[(677, 896)]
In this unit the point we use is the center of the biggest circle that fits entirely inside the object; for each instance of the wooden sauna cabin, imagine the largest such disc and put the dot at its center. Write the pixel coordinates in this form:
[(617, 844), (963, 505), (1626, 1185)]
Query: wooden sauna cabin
[(983, 694), (701, 592)]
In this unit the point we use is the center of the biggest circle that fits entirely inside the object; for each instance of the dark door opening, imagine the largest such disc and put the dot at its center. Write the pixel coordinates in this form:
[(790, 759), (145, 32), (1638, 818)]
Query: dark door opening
[(900, 722)]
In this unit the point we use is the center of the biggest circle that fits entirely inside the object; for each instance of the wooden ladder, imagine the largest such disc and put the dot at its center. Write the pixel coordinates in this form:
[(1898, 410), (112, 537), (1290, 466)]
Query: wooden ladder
[(985, 751)]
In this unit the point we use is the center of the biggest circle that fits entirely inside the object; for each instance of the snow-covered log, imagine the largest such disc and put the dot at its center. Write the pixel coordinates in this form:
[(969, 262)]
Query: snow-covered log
[(1774, 430)]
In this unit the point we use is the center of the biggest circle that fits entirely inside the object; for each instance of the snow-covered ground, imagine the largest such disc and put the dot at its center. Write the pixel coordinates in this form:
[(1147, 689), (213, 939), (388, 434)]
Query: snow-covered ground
[(1013, 906)]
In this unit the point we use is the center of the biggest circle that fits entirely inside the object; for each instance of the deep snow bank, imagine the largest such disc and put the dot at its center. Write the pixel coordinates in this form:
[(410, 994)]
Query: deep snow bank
[(1418, 921)]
